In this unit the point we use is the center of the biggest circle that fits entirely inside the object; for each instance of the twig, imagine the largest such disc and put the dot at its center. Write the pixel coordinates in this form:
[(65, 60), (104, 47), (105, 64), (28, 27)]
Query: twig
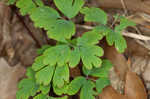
[(143, 44), (114, 21), (136, 36), (29, 32), (85, 27), (145, 16), (127, 34), (124, 7)]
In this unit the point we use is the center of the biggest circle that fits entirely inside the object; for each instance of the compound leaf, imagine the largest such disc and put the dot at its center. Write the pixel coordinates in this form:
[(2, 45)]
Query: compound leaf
[(69, 8), (87, 91), (94, 15), (117, 39), (86, 47), (124, 23), (45, 75), (102, 83), (61, 76)]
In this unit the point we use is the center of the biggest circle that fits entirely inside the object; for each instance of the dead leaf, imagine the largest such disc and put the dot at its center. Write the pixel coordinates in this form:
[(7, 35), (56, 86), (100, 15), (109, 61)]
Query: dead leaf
[(134, 88), (132, 5), (110, 93), (118, 60)]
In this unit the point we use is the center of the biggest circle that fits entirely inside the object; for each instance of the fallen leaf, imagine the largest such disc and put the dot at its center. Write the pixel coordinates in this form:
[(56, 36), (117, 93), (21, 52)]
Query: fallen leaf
[(118, 60), (110, 93), (134, 88)]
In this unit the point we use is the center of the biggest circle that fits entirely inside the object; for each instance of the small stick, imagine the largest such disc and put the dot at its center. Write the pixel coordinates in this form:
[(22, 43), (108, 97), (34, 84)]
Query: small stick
[(124, 7), (127, 34), (26, 27)]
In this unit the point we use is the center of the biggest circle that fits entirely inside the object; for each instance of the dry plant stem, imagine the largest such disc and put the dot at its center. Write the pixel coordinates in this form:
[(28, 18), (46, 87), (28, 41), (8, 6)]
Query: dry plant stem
[(29, 32), (143, 44), (114, 21), (136, 36), (138, 31), (145, 16), (127, 34), (132, 5), (124, 7)]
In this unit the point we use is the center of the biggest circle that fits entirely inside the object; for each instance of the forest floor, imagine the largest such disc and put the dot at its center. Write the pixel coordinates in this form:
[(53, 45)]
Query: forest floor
[(18, 48)]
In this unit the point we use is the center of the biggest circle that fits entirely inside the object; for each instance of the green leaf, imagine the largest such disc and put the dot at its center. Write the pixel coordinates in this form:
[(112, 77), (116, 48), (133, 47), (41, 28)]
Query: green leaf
[(44, 76), (89, 38), (124, 23), (40, 96), (27, 88), (60, 91), (86, 47), (40, 51), (102, 30), (64, 97), (38, 63), (61, 76), (117, 39), (69, 8), (30, 73), (90, 56), (26, 6), (102, 83), (58, 54), (48, 18), (87, 91), (75, 85), (74, 57), (94, 15), (45, 89), (11, 2), (44, 17), (103, 71), (61, 29)]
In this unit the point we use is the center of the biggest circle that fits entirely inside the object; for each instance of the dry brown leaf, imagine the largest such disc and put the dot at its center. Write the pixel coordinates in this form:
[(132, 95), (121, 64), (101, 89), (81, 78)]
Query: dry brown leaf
[(110, 93), (133, 5), (118, 60), (134, 88), (135, 49)]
